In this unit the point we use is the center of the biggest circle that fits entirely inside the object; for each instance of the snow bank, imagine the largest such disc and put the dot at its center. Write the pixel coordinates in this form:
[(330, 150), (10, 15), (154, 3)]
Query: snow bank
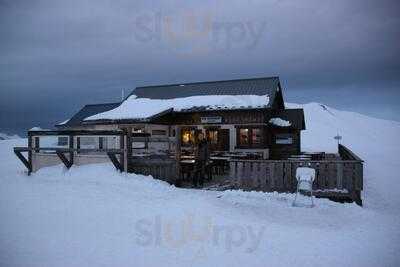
[(141, 108)]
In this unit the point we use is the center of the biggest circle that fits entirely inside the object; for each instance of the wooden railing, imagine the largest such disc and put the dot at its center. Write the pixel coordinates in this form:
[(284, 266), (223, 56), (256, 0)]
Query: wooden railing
[(334, 178), (72, 153)]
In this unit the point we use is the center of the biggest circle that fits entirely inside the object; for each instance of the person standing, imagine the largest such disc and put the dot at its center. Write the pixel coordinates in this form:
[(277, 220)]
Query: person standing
[(202, 155)]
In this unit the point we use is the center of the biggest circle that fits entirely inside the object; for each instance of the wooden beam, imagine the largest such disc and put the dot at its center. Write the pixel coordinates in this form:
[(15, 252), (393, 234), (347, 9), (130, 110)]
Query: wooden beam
[(128, 147), (71, 146), (30, 155), (64, 159), (117, 164), (18, 152), (122, 154)]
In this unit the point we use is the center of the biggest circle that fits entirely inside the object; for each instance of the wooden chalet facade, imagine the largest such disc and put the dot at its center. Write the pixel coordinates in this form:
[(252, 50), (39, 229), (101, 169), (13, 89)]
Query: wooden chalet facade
[(244, 128)]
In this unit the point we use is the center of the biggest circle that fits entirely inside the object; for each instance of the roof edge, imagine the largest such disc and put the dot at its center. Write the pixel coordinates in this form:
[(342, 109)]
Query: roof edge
[(208, 82)]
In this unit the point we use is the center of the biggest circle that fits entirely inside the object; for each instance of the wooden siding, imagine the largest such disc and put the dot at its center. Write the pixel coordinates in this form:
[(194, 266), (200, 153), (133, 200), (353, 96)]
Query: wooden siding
[(283, 151), (228, 117)]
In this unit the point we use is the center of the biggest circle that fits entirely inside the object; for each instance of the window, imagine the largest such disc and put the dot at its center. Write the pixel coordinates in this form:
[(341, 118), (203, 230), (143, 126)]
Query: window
[(188, 137), (110, 142), (63, 141), (283, 139), (256, 136), (138, 145), (249, 137), (89, 142), (53, 141), (244, 137), (212, 136)]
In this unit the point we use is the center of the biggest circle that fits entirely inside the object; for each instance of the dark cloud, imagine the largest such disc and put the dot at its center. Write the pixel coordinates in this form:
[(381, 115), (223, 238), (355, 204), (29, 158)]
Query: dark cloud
[(58, 55)]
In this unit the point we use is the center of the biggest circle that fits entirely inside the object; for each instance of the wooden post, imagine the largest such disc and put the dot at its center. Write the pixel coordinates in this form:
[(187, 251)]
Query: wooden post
[(101, 142), (78, 144), (128, 148), (339, 183), (30, 154), (178, 143), (71, 146), (122, 155), (178, 155), (169, 138)]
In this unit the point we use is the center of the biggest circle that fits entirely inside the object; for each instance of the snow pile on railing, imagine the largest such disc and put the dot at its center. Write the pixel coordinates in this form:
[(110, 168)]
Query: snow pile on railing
[(141, 108), (280, 122)]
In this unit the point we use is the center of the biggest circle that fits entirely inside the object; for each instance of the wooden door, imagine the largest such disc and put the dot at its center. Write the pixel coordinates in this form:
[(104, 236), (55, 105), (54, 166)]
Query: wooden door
[(223, 139)]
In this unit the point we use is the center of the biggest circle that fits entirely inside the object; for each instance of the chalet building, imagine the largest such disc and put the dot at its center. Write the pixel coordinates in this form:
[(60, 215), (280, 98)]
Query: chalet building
[(255, 140), (246, 115)]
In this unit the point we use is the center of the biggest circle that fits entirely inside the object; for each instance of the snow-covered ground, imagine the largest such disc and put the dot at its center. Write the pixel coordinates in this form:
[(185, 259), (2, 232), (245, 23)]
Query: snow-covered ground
[(94, 216)]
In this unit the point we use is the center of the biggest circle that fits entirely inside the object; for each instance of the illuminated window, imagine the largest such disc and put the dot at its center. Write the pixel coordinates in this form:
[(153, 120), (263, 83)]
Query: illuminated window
[(212, 136), (187, 137), (244, 136)]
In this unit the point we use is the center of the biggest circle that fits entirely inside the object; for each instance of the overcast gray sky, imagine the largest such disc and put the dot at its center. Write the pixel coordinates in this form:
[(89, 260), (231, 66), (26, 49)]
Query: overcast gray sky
[(57, 56)]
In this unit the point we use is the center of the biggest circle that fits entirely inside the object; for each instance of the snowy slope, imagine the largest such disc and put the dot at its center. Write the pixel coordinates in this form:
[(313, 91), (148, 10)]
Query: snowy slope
[(374, 140), (94, 216), (4, 136)]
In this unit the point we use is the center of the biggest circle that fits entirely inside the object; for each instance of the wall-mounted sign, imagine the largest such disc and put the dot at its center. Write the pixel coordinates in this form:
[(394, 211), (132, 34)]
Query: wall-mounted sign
[(211, 119)]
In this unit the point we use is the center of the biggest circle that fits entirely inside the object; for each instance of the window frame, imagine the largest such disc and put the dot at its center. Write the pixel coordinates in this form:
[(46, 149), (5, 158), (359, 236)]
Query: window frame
[(250, 144)]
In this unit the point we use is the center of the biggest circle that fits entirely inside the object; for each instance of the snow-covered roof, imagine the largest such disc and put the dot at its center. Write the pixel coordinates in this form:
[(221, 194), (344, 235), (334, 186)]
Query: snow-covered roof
[(36, 128), (87, 111), (141, 108)]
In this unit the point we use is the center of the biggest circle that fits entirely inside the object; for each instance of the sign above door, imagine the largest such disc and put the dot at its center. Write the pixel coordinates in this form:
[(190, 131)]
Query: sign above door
[(214, 119)]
